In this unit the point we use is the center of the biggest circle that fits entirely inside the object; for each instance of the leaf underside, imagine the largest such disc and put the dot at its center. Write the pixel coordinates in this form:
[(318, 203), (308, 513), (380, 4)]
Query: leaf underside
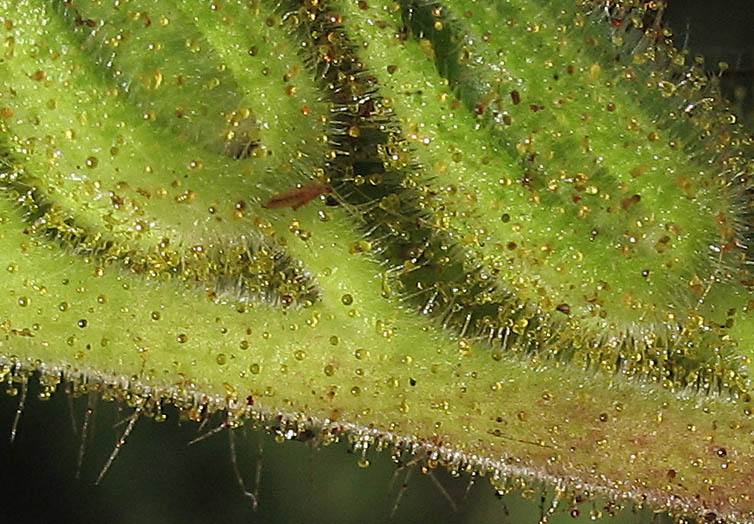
[(510, 237)]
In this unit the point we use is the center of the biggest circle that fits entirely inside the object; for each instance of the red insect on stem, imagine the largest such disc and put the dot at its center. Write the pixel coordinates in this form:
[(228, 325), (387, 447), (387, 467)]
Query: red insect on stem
[(297, 197)]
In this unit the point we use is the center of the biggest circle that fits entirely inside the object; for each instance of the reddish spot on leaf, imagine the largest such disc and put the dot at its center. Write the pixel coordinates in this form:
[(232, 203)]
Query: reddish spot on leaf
[(298, 197)]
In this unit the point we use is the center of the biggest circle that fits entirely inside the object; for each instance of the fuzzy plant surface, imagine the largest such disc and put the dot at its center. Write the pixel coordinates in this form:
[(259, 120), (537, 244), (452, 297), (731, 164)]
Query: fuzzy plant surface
[(509, 238)]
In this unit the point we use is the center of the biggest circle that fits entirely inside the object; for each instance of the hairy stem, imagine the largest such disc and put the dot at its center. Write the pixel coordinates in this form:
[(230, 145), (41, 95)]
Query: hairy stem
[(512, 238)]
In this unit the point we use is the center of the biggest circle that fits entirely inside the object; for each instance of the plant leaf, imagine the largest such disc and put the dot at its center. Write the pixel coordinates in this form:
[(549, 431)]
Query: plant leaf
[(509, 237)]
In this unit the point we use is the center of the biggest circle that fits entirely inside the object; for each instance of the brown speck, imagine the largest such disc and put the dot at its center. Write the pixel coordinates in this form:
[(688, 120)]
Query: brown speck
[(85, 21), (297, 197), (516, 97), (628, 202), (366, 108), (564, 308)]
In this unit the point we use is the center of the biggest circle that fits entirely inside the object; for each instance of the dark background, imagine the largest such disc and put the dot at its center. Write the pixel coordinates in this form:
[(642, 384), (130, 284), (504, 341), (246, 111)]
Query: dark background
[(158, 478), (721, 31)]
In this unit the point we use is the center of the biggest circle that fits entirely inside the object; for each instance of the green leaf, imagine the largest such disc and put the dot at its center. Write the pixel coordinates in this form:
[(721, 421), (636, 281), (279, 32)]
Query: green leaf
[(512, 238)]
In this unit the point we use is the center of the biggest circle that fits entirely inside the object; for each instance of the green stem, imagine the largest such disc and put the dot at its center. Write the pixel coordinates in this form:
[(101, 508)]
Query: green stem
[(517, 241)]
